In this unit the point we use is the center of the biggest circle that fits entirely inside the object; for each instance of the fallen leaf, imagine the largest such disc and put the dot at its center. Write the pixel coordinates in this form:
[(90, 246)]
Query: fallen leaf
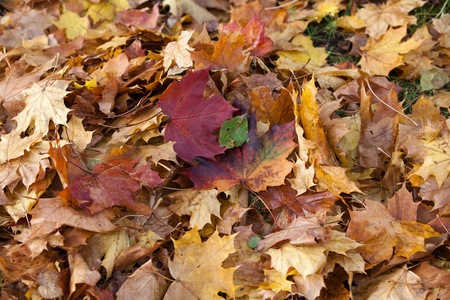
[(307, 260), (258, 163), (199, 204), (398, 283), (228, 54), (192, 264), (43, 104), (380, 56), (118, 179), (179, 52), (192, 118), (384, 235), (146, 282), (393, 13)]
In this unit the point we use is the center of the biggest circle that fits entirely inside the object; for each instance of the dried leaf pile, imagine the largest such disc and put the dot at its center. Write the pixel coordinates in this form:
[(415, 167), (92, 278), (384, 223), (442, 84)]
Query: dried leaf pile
[(214, 150)]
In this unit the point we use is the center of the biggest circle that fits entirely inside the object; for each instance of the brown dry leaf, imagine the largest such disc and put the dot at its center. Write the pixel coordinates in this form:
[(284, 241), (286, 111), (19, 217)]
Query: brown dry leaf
[(143, 125), (430, 190), (144, 283), (303, 177), (178, 51), (76, 134), (106, 247), (16, 80), (81, 273), (199, 204), (25, 23), (268, 109), (198, 12), (52, 213), (392, 13), (228, 54), (381, 56), (286, 198), (192, 264), (435, 279), (384, 235), (378, 129), (275, 282), (399, 283), (431, 157), (301, 231)]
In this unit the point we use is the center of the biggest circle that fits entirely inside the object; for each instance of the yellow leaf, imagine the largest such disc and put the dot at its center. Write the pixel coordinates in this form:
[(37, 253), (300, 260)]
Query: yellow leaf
[(43, 104), (74, 24), (105, 9), (13, 146), (309, 114), (199, 204), (306, 53), (306, 260), (197, 267), (275, 281), (335, 180), (381, 56), (76, 134)]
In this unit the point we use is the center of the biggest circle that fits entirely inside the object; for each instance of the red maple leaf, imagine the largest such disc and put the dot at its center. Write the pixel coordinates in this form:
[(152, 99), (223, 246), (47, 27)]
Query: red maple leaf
[(253, 34), (259, 163), (112, 183), (192, 118)]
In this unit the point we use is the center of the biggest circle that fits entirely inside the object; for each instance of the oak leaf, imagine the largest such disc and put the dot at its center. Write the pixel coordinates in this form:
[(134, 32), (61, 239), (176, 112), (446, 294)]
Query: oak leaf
[(192, 118), (258, 163), (192, 263)]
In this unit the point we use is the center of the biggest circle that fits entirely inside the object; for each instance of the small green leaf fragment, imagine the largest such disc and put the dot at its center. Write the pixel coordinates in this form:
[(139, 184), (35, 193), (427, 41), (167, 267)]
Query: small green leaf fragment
[(253, 243), (234, 132)]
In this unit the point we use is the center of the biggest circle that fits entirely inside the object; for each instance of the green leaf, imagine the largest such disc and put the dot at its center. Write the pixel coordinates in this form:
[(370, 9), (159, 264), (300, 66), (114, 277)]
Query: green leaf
[(253, 243), (234, 132)]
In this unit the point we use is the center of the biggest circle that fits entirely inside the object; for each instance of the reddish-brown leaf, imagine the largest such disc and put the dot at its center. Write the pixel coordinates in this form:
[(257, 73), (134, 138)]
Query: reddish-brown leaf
[(192, 118), (259, 163), (112, 183), (285, 196), (253, 33)]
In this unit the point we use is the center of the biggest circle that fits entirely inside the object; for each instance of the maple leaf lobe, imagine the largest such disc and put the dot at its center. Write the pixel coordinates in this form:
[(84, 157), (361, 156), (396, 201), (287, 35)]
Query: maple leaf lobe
[(192, 118)]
